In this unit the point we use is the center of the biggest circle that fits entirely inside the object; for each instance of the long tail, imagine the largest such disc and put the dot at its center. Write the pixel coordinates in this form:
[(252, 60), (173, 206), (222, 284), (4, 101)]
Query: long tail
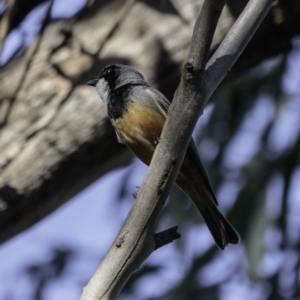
[(193, 180), (202, 196), (221, 230)]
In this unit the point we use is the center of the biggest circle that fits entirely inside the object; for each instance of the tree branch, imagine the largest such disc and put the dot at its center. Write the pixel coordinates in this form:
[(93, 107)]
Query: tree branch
[(136, 241), (166, 237), (234, 43)]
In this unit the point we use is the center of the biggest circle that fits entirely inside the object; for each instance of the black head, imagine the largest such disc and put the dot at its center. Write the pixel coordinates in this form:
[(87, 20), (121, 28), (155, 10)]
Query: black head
[(120, 75)]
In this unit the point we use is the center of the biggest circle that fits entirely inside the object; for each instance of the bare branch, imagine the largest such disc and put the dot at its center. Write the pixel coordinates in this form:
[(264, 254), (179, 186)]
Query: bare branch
[(234, 43), (166, 237), (136, 241), (203, 33)]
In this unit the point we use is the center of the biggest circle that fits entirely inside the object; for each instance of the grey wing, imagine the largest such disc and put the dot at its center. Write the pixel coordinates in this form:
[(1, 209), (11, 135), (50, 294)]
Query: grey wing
[(163, 105), (161, 102)]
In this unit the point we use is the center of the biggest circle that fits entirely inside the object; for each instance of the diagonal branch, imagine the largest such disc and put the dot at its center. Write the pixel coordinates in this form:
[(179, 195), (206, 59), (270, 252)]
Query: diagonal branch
[(136, 241), (234, 43)]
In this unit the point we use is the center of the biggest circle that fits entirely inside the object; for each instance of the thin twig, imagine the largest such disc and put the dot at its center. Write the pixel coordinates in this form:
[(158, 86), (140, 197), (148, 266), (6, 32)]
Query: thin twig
[(166, 237)]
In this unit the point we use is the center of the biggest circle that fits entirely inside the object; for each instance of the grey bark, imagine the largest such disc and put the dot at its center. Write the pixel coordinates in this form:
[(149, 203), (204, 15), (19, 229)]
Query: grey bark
[(55, 138)]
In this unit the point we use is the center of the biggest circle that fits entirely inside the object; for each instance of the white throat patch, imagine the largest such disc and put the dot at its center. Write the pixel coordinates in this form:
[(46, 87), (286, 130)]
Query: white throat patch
[(102, 89)]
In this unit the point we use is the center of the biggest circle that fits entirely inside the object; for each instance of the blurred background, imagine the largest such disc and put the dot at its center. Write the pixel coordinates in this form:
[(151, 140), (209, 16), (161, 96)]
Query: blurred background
[(66, 185)]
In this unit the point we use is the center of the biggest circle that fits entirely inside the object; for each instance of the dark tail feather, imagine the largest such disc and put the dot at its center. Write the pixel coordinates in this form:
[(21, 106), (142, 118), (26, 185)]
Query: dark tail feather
[(221, 230)]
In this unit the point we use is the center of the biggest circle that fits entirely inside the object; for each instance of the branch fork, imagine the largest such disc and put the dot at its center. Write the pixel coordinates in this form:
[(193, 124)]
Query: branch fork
[(136, 240)]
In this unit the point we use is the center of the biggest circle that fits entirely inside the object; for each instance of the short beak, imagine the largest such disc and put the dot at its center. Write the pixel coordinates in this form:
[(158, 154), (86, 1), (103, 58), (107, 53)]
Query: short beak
[(92, 82)]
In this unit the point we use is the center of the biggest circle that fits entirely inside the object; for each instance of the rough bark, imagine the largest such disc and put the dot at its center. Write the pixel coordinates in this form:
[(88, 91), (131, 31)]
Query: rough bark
[(55, 138)]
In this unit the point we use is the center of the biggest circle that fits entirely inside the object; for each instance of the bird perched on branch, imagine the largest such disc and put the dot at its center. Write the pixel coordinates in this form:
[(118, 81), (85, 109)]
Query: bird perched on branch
[(138, 113)]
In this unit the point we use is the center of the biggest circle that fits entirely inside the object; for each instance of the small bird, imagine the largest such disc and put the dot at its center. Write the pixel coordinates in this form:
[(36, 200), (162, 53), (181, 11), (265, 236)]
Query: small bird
[(138, 113)]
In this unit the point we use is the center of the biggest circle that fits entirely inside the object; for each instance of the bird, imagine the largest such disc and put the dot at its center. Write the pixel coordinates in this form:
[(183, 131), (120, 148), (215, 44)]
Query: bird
[(138, 113)]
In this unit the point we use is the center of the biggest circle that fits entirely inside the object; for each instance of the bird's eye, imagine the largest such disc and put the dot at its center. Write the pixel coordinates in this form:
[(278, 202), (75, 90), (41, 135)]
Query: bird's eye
[(110, 74), (108, 71)]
